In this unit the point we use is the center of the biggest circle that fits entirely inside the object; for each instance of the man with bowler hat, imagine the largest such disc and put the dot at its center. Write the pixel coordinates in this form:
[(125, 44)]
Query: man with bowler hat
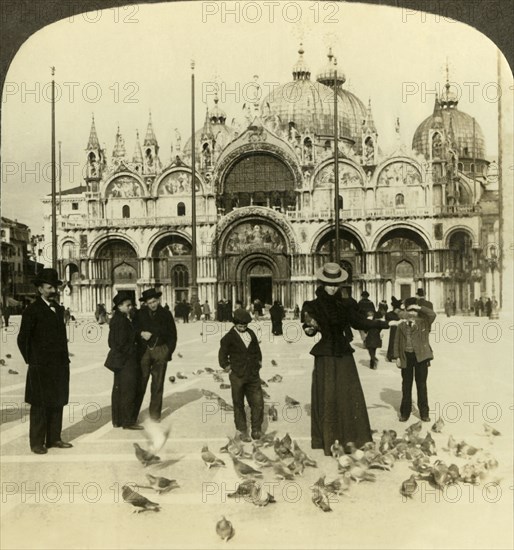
[(42, 342), (422, 301), (158, 340)]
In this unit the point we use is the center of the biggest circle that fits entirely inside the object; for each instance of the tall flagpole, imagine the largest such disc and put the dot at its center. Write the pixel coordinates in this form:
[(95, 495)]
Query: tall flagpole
[(54, 198), (336, 168), (60, 180), (194, 286)]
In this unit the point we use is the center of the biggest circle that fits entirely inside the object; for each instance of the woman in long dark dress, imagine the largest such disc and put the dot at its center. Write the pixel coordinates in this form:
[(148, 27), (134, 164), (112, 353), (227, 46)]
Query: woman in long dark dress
[(276, 312), (338, 407), (123, 361)]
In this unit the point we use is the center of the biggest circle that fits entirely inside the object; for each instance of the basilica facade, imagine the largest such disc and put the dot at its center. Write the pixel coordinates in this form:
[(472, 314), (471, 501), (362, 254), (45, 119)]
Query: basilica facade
[(421, 216)]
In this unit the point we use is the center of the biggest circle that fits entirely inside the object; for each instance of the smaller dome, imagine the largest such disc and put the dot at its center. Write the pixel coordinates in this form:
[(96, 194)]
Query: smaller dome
[(300, 69), (327, 75)]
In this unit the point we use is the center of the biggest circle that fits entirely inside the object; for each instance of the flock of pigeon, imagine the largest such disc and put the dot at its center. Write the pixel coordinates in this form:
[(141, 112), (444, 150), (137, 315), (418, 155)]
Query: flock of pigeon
[(353, 465)]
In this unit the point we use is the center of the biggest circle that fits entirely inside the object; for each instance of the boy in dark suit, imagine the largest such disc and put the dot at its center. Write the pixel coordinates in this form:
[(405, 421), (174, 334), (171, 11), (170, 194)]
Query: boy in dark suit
[(240, 356)]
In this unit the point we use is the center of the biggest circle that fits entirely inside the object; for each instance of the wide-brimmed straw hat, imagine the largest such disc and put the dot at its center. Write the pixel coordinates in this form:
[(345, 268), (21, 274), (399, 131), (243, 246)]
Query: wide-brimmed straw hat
[(331, 273)]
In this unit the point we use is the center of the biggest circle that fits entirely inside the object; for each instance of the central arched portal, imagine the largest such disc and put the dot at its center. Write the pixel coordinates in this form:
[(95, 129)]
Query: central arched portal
[(254, 263)]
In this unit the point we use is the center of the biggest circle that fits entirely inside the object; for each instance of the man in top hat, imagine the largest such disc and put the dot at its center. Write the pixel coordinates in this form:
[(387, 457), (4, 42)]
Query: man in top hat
[(42, 342), (422, 301), (158, 340)]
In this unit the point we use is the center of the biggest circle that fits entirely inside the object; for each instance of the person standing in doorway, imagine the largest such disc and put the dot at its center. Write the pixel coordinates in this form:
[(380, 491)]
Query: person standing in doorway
[(448, 307), (43, 344), (158, 340)]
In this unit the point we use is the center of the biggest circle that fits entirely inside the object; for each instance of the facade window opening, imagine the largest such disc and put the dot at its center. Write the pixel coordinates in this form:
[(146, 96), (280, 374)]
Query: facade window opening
[(399, 200), (126, 211), (74, 205), (181, 209)]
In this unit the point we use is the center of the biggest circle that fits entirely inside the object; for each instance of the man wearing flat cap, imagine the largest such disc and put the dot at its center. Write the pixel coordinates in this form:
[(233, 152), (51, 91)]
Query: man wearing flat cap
[(43, 344), (158, 340)]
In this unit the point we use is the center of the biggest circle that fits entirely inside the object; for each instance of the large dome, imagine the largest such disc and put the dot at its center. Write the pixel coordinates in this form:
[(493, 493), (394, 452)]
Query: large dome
[(310, 104), (467, 136)]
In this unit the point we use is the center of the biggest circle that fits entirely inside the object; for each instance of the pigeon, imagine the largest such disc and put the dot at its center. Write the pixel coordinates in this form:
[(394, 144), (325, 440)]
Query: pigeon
[(336, 449), (258, 498), (335, 487), (209, 394), (11, 371), (453, 471), (297, 467), (141, 503), (345, 462), (235, 447), (386, 442), (217, 378), (263, 384), (224, 386), (243, 489), (281, 470), (265, 394), (179, 355), (242, 469), (172, 379), (267, 440), (440, 476), (356, 454), (8, 355), (181, 376), (272, 413), (283, 451), (451, 445), (260, 458), (224, 529), (422, 465), (210, 459), (489, 430), (209, 370), (2, 362), (438, 425), (301, 456), (409, 487), (287, 442), (414, 430), (358, 474), (223, 405), (145, 457), (274, 363), (275, 379), (428, 445), (464, 449), (290, 402), (197, 372), (162, 484), (320, 499), (157, 435)]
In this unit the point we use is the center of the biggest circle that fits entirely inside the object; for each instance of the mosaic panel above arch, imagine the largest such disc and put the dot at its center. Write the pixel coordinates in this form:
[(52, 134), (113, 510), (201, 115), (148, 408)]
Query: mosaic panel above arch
[(177, 183), (349, 176), (399, 173), (124, 187), (252, 236)]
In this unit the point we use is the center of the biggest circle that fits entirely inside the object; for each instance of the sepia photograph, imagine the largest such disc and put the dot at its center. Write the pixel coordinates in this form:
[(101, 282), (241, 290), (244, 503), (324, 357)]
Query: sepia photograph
[(256, 275)]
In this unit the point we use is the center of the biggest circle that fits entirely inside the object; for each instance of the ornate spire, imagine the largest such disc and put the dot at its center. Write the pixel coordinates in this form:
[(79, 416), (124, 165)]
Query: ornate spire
[(448, 98), (437, 117), (150, 138), (327, 75), (369, 123), (93, 142), (138, 153), (300, 69), (119, 146)]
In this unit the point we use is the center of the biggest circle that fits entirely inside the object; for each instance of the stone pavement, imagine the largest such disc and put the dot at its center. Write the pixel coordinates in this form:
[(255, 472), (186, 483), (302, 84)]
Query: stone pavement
[(71, 498)]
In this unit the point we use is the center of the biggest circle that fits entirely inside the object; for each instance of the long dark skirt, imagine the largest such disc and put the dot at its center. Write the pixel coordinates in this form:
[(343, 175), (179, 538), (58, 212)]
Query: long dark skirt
[(124, 395), (338, 408)]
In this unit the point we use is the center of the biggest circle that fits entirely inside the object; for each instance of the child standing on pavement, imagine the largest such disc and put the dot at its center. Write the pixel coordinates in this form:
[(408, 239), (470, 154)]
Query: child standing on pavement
[(240, 356)]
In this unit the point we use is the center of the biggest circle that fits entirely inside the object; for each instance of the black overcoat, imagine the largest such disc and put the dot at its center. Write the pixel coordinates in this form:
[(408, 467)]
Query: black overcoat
[(43, 344), (244, 361), (122, 342)]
